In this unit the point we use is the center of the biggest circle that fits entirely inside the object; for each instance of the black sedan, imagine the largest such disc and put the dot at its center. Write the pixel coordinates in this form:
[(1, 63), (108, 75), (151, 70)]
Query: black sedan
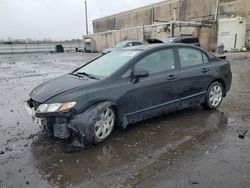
[(127, 86)]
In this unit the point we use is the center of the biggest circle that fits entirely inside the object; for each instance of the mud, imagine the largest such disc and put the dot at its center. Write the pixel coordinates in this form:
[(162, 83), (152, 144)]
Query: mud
[(192, 147)]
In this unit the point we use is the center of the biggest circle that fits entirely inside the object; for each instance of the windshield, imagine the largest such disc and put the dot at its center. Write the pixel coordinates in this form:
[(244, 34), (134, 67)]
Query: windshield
[(120, 45), (108, 64)]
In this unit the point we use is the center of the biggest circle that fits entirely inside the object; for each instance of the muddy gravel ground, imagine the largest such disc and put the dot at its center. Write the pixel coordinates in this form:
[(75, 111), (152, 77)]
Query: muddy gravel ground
[(188, 148)]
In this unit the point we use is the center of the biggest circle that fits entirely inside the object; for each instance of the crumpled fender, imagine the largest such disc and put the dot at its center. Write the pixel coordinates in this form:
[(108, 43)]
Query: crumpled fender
[(83, 123)]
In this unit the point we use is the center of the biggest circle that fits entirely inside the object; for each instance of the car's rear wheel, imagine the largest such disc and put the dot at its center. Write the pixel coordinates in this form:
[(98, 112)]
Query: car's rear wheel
[(105, 125), (214, 96)]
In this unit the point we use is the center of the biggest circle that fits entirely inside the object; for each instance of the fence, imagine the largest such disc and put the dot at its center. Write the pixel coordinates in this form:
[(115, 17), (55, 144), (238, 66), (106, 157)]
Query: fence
[(38, 48)]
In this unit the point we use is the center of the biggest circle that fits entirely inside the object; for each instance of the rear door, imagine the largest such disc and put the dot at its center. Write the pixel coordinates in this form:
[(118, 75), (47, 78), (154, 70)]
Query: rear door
[(195, 75), (156, 93)]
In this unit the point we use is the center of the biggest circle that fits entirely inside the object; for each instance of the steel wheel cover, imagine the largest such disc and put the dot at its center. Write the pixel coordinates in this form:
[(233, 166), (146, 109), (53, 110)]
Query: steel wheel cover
[(215, 95), (105, 125)]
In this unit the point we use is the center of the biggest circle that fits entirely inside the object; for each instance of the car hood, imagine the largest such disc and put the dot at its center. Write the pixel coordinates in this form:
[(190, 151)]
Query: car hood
[(57, 86)]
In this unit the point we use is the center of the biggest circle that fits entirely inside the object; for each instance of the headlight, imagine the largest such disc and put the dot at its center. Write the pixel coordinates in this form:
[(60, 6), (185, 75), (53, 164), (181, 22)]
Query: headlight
[(56, 107)]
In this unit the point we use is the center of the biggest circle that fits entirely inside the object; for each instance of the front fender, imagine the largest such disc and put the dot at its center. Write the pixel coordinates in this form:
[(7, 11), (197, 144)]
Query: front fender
[(83, 123)]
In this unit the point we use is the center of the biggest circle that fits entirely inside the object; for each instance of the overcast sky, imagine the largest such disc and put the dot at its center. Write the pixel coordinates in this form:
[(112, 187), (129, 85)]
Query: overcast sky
[(56, 19)]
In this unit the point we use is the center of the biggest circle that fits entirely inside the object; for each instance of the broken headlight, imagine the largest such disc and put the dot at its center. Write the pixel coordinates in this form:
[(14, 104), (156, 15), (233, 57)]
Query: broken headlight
[(56, 107)]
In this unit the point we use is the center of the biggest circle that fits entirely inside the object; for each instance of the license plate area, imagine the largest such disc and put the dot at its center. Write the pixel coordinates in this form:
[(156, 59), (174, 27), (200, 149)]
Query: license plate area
[(40, 121)]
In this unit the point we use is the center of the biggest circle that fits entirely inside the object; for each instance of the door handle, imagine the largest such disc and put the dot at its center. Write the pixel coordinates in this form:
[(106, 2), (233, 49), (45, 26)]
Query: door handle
[(205, 70), (171, 77)]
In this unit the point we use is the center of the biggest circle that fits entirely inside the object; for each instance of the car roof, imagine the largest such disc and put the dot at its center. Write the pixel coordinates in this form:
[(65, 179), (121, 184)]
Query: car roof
[(143, 47), (132, 41), (149, 47), (181, 37), (155, 46)]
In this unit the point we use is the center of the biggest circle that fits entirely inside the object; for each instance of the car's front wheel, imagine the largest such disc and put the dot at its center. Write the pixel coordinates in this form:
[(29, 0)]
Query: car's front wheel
[(104, 125), (214, 96)]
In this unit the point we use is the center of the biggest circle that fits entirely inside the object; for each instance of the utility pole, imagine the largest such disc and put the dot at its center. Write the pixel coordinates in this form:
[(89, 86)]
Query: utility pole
[(86, 16)]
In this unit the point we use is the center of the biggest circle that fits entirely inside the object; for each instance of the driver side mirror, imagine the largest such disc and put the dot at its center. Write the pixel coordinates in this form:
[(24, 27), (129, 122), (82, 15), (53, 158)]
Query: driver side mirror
[(137, 74)]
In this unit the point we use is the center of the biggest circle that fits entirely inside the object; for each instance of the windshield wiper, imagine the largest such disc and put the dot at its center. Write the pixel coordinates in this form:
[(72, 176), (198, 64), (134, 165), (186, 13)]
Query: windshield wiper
[(88, 75), (78, 75)]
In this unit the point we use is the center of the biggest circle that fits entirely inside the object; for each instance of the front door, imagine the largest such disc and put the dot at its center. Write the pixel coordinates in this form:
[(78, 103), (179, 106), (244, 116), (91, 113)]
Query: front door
[(156, 93)]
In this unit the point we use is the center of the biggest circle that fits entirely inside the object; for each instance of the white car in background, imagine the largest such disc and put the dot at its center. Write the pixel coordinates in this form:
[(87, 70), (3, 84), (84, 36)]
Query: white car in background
[(124, 44)]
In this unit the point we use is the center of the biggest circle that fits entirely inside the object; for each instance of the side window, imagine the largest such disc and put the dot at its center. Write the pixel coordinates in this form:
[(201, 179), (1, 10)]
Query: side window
[(157, 62), (190, 57), (128, 44), (136, 43), (205, 58), (178, 41)]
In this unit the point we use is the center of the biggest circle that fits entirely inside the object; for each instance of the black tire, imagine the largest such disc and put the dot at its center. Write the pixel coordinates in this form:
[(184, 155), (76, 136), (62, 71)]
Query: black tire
[(216, 102)]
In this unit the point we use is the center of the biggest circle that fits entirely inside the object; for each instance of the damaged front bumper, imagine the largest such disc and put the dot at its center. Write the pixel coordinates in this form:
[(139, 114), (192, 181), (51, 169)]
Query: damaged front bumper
[(41, 122), (80, 127), (57, 123)]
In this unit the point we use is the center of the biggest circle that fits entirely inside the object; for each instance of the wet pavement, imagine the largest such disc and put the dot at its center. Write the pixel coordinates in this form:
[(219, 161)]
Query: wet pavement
[(188, 148)]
